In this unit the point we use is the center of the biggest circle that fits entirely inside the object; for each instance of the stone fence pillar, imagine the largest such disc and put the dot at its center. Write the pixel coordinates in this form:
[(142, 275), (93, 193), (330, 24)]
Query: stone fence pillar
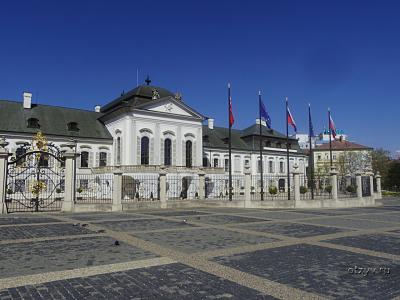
[(117, 191), (359, 184), (163, 189), (371, 184), (378, 186), (296, 183), (3, 175), (334, 184), (69, 201), (202, 185), (247, 187)]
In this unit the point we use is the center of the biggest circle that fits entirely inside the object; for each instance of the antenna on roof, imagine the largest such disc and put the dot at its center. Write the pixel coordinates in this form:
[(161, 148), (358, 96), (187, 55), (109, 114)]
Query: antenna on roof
[(137, 76)]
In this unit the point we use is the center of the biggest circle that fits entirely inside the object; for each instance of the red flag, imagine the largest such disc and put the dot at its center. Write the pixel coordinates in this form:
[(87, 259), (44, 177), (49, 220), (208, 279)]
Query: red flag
[(290, 120), (231, 118), (332, 127)]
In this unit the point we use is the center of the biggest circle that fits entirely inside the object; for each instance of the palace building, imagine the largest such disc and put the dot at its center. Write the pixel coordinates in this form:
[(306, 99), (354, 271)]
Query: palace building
[(147, 127)]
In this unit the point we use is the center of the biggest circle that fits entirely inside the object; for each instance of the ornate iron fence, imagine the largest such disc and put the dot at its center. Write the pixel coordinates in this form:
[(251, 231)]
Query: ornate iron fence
[(347, 186), (93, 188), (35, 177), (274, 187), (180, 186), (140, 187), (318, 189), (217, 187)]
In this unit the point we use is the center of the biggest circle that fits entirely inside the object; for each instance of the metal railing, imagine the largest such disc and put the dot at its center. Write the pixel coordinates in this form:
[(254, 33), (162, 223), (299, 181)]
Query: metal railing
[(156, 169), (180, 186), (322, 188), (347, 186), (217, 187), (274, 187), (140, 187), (93, 188)]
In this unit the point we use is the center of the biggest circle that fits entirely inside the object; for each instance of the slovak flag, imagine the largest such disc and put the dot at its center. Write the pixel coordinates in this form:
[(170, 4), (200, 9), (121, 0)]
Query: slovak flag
[(332, 127), (231, 118), (290, 119)]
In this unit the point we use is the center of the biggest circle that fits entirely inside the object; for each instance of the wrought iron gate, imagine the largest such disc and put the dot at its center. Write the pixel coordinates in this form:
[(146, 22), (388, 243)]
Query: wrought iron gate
[(35, 177)]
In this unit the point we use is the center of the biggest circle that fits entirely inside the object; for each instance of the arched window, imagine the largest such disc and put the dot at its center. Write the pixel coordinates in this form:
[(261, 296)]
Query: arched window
[(188, 154), (144, 155), (84, 159), (167, 152)]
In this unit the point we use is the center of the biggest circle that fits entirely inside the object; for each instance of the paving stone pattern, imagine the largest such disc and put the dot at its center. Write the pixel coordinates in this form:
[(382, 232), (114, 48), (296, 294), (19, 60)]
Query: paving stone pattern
[(57, 255), (350, 253)]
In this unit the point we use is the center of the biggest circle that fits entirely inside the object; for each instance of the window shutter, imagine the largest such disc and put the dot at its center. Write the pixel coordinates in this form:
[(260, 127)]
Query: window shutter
[(174, 152), (108, 159), (151, 151), (91, 160), (194, 152), (183, 153), (97, 159), (138, 149), (162, 162)]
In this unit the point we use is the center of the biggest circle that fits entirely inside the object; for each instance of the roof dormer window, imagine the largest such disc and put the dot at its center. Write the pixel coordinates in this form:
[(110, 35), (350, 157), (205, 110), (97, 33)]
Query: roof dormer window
[(73, 126), (33, 123)]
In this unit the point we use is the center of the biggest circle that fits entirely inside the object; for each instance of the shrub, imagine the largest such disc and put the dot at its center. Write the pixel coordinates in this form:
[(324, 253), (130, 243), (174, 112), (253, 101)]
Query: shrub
[(58, 190), (273, 190), (79, 190), (328, 189), (351, 189), (303, 189)]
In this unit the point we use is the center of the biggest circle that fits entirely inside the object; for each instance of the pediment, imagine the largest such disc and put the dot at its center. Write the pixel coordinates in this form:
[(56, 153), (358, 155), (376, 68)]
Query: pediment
[(171, 106)]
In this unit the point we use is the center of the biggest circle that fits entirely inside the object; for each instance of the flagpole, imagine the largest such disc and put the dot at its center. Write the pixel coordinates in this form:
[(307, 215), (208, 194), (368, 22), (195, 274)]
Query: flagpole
[(311, 158), (261, 147), (287, 148), (330, 135), (230, 144)]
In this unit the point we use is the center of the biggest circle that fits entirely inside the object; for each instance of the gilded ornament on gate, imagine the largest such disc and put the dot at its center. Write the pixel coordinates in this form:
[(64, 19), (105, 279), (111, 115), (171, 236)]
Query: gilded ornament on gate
[(36, 187)]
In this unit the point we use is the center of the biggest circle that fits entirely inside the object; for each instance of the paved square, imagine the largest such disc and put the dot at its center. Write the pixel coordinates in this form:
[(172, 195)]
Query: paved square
[(155, 254), (291, 229), (173, 281), (204, 239), (56, 255), (143, 224), (322, 270), (221, 219), (37, 231), (376, 242)]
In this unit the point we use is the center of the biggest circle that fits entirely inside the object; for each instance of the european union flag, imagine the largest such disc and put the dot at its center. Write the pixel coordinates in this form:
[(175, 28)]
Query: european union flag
[(264, 115)]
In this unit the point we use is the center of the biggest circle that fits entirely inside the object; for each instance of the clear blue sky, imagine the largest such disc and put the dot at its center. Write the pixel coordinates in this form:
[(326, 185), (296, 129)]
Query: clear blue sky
[(338, 54)]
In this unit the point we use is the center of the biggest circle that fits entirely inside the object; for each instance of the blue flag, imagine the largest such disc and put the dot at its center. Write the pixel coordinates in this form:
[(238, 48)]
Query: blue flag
[(310, 125), (264, 115)]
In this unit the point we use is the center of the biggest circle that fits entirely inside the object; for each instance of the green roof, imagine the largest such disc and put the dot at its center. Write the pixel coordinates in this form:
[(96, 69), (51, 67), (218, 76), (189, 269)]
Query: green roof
[(241, 139), (138, 96), (53, 120)]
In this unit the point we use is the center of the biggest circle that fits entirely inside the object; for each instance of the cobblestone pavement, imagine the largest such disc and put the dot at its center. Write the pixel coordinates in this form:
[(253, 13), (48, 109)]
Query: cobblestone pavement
[(203, 253)]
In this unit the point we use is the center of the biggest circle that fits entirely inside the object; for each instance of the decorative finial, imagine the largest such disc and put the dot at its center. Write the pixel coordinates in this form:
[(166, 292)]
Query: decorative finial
[(148, 81), (259, 92), (178, 96)]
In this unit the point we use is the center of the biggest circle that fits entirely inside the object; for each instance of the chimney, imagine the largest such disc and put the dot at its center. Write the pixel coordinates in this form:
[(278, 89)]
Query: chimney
[(97, 108), (27, 100), (263, 123), (211, 123)]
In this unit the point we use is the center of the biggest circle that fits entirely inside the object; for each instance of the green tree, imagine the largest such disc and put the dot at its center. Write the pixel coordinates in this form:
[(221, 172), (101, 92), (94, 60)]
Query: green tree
[(381, 163), (393, 176)]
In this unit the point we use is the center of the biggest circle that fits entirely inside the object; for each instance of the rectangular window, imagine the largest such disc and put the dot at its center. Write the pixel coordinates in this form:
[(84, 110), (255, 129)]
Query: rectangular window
[(259, 166), (226, 165), (84, 159), (103, 159), (281, 167), (215, 162), (271, 166)]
